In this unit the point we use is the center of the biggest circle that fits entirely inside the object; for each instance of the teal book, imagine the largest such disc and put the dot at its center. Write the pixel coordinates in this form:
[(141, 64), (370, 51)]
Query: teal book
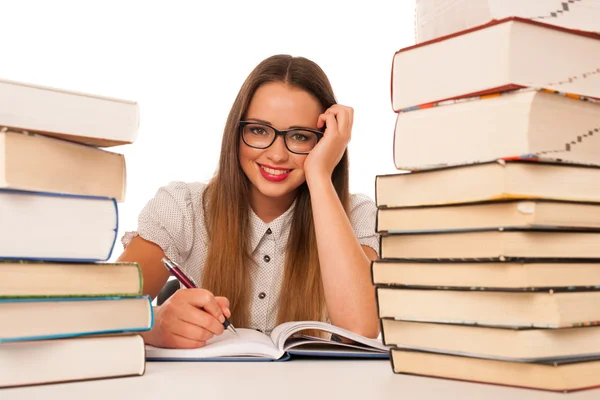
[(28, 319)]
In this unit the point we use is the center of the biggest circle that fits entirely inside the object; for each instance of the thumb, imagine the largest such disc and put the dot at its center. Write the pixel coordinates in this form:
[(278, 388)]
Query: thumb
[(223, 302)]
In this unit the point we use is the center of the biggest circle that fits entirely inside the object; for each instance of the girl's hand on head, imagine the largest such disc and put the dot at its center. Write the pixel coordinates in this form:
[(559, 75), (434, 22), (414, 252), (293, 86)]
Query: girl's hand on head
[(321, 161), (188, 319)]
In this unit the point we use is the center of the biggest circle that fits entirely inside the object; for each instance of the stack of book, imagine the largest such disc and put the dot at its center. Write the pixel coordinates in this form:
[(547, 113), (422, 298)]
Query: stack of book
[(64, 314), (437, 18), (489, 266)]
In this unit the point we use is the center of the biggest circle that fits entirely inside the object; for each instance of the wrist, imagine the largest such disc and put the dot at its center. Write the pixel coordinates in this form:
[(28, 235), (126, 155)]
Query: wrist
[(318, 182), (315, 177)]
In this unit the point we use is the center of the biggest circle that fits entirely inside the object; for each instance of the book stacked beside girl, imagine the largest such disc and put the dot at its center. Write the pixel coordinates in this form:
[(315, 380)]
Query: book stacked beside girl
[(65, 314), (490, 248)]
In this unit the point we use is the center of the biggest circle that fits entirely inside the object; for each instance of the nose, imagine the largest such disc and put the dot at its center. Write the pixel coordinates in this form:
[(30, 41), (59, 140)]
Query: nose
[(277, 151)]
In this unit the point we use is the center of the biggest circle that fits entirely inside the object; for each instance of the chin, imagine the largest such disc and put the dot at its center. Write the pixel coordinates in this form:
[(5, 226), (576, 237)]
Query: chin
[(277, 189), (276, 192)]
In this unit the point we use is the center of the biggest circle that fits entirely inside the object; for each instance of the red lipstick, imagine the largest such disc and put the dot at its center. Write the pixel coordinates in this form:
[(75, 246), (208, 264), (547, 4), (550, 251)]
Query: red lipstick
[(274, 177)]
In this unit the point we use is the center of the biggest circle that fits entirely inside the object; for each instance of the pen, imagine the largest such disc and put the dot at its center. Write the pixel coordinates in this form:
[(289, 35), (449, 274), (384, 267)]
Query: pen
[(174, 269)]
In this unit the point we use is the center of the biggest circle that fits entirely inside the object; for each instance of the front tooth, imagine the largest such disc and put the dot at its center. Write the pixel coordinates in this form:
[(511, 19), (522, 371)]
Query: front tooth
[(275, 171)]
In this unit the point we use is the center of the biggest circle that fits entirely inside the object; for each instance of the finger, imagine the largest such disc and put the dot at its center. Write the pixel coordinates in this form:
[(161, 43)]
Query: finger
[(205, 300), (345, 119), (341, 116), (223, 302), (201, 319), (350, 119), (328, 119), (323, 117), (175, 341), (321, 121), (190, 331), (331, 124)]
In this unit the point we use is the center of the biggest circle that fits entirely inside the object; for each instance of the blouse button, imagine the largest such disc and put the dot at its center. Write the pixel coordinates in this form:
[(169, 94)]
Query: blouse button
[(267, 258), (262, 295), (269, 231)]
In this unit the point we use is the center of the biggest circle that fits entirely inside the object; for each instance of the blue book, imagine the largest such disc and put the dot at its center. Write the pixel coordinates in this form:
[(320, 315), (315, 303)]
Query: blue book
[(53, 318), (55, 227)]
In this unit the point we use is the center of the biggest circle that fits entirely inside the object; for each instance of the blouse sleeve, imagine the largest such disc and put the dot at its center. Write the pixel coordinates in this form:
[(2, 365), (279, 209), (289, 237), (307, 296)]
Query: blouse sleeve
[(167, 220), (363, 213)]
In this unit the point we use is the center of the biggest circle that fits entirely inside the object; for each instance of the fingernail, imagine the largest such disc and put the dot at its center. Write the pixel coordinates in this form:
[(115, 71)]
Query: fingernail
[(228, 312), (221, 318)]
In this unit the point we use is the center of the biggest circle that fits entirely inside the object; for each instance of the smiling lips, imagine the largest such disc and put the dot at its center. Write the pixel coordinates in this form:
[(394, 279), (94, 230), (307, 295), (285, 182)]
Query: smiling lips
[(274, 174)]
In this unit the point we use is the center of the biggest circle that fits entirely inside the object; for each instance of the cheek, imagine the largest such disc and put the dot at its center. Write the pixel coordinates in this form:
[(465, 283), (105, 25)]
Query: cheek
[(299, 160), (246, 153)]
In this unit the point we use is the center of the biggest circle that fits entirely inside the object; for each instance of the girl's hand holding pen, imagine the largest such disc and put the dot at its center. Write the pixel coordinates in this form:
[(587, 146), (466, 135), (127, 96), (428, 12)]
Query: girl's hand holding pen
[(188, 319)]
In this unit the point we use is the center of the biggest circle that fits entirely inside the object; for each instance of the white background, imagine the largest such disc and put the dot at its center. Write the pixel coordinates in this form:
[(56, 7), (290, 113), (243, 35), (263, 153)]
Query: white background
[(184, 61)]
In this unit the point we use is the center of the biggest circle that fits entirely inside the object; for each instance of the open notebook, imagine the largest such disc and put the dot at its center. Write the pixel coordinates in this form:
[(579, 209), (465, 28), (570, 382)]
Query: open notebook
[(284, 341)]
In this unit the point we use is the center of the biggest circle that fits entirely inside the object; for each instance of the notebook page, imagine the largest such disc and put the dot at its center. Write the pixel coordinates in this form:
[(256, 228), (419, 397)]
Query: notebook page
[(250, 343), (282, 332)]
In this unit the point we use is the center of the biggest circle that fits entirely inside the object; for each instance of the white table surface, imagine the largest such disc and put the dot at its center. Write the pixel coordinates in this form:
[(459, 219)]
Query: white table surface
[(297, 379)]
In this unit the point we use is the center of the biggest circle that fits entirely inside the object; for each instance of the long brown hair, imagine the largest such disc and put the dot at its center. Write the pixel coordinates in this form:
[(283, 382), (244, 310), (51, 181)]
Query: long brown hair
[(227, 201)]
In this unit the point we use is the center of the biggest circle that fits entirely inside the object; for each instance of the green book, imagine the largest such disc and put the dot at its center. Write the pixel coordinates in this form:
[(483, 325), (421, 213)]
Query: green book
[(53, 279)]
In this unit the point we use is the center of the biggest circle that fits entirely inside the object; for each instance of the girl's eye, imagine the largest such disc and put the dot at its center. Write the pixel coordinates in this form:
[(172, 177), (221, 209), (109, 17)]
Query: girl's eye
[(258, 130), (299, 137)]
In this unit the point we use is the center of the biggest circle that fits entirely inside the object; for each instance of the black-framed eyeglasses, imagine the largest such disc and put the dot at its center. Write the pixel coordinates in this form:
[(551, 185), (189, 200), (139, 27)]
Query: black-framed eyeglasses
[(262, 136)]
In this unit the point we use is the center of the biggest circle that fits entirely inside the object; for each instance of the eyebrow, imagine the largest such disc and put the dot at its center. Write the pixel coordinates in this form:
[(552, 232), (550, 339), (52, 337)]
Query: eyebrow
[(262, 121)]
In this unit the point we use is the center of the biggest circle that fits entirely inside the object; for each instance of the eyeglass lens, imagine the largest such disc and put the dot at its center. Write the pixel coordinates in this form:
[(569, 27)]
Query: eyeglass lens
[(262, 136)]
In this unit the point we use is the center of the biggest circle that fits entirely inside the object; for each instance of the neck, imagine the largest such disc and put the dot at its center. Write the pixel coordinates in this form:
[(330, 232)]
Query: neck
[(269, 208)]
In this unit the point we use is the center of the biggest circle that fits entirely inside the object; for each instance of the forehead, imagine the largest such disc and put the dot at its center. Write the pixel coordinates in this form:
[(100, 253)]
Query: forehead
[(284, 106)]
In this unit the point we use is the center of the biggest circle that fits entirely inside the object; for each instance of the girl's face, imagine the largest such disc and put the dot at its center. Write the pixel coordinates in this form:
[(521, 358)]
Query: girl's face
[(275, 172)]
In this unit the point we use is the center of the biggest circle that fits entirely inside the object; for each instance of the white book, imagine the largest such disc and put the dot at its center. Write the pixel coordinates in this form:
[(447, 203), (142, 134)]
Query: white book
[(56, 227), (284, 341), (37, 163), (525, 124), (506, 54), (436, 18), (68, 360), (80, 117)]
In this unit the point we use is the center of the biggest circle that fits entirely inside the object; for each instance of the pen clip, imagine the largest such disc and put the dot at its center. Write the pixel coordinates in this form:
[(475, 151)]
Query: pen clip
[(176, 271)]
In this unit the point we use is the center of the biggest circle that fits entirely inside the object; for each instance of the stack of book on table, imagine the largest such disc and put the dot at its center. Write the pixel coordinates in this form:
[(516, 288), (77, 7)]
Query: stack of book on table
[(489, 266), (65, 315)]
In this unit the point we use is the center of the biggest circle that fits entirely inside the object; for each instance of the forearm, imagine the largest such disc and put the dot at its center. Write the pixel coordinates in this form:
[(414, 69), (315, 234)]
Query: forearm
[(345, 268)]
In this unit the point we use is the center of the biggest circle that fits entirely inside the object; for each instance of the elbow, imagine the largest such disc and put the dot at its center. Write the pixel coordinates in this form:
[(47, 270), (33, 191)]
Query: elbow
[(369, 330)]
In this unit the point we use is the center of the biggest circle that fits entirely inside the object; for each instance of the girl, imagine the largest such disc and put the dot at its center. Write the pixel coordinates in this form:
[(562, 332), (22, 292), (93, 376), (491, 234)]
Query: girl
[(275, 235)]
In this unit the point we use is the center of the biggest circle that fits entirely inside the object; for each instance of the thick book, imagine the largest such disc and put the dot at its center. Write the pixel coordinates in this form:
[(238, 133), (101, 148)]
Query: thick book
[(551, 376), (285, 341), (44, 164), (542, 309), (55, 227), (70, 360), (499, 244), (79, 117), (524, 123), (26, 319), (437, 18), (501, 180), (29, 279), (502, 55), (518, 275), (521, 345), (546, 214)]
